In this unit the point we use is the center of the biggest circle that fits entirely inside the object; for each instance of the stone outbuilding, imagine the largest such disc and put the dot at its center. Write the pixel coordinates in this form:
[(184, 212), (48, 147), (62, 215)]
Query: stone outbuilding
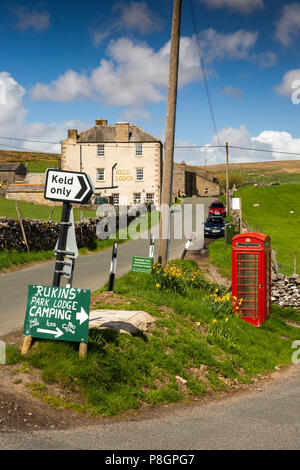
[(11, 173), (193, 181)]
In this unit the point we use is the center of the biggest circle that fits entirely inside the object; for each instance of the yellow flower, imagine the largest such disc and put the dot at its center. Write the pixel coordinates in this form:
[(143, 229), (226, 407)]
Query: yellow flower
[(198, 323), (157, 285), (214, 321), (226, 320)]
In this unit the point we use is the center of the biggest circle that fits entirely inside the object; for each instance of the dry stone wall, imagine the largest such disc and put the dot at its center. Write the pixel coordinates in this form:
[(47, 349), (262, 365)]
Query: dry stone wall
[(42, 235)]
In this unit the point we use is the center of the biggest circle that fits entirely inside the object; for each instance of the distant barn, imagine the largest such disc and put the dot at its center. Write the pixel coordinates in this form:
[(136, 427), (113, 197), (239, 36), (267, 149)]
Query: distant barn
[(12, 172)]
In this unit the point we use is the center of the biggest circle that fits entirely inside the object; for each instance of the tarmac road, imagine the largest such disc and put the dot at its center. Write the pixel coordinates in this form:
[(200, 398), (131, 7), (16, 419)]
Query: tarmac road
[(267, 418)]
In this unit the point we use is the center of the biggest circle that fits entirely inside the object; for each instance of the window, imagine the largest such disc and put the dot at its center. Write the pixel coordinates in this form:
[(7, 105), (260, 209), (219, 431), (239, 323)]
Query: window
[(139, 150), (100, 174), (116, 199), (137, 198), (139, 174), (149, 198), (100, 150)]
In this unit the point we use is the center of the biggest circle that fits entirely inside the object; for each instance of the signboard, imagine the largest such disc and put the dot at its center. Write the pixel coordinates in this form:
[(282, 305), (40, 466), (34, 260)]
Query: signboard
[(141, 265), (236, 203), (57, 313), (68, 186)]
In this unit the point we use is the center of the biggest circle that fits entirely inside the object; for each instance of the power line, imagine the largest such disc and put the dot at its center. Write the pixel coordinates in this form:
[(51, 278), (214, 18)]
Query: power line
[(194, 20), (29, 140)]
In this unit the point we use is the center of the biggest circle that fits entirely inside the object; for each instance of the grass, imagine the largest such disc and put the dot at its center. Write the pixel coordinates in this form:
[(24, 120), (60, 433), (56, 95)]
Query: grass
[(40, 166), (221, 256), (209, 349), (273, 217), (36, 211)]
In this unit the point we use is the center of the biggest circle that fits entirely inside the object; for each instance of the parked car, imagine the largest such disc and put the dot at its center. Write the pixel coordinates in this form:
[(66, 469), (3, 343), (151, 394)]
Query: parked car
[(217, 208), (214, 226)]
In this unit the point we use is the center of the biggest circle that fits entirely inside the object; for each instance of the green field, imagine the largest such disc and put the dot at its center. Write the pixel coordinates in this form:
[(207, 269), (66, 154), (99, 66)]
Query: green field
[(273, 217), (41, 166), (36, 211)]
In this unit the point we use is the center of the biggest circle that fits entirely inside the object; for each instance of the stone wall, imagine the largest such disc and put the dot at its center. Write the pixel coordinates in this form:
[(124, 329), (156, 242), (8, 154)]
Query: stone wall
[(42, 235)]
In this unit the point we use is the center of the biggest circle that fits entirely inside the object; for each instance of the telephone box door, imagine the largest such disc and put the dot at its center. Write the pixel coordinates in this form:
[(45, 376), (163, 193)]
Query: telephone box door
[(249, 286)]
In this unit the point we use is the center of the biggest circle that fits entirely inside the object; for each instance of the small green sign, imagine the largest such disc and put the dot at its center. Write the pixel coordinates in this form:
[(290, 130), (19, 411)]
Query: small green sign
[(57, 313), (141, 265)]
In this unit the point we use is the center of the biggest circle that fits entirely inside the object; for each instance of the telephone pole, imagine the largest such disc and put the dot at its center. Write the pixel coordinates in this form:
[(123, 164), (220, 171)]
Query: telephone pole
[(227, 180), (166, 193)]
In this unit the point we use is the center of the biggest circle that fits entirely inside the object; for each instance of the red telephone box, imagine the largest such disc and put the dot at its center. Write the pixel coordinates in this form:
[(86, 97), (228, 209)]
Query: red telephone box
[(251, 276)]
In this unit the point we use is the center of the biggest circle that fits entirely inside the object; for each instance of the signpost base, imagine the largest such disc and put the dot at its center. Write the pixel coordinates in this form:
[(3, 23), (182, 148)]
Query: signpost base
[(83, 350), (26, 345)]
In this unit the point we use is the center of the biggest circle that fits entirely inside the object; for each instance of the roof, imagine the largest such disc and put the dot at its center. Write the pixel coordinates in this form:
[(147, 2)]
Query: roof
[(12, 167), (108, 134), (259, 236)]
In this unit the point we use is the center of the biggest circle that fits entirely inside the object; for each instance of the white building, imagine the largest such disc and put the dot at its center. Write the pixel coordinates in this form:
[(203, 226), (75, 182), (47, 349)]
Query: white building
[(123, 161)]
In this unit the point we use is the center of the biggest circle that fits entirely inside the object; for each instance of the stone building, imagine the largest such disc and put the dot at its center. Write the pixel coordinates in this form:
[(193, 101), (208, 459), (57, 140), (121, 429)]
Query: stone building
[(193, 181), (12, 172), (123, 161)]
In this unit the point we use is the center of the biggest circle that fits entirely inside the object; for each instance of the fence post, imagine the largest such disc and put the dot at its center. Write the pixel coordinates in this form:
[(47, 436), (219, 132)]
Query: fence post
[(22, 227), (274, 261)]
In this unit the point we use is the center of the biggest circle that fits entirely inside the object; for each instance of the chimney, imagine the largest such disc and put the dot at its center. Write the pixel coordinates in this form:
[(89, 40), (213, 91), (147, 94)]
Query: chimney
[(72, 134), (101, 122), (122, 131)]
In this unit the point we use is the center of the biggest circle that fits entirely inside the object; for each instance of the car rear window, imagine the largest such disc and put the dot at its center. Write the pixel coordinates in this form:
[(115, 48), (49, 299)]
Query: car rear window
[(215, 220), (217, 205)]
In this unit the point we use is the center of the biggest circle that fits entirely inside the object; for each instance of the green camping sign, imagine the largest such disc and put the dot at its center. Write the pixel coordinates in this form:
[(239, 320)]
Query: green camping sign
[(58, 313)]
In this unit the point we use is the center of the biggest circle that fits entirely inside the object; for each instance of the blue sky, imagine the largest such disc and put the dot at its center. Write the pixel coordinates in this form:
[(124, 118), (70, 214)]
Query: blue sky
[(63, 64)]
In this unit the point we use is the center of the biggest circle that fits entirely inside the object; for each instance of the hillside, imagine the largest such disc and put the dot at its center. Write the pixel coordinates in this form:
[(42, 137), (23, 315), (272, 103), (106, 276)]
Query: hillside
[(277, 215), (287, 171)]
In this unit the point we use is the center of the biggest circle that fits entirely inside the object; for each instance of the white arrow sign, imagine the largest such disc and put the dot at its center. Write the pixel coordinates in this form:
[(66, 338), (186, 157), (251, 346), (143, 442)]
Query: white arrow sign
[(68, 186), (57, 333), (82, 316)]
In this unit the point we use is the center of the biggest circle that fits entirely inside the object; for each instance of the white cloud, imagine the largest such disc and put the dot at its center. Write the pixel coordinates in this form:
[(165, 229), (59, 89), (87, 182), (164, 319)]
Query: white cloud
[(135, 75), (31, 19), (68, 87), (237, 45), (241, 6), (288, 26), (240, 137), (232, 91), (12, 122), (288, 84), (131, 16), (138, 16)]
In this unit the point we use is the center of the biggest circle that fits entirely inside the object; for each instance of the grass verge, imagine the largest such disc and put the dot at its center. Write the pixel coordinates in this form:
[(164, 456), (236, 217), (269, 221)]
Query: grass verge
[(196, 347)]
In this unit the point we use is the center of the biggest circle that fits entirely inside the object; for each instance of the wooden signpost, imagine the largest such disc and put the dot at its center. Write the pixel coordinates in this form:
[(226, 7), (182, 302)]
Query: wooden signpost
[(55, 312)]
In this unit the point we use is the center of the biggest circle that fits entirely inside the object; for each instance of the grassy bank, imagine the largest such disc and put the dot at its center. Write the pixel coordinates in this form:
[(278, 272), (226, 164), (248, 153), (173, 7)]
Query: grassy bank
[(196, 347), (277, 215)]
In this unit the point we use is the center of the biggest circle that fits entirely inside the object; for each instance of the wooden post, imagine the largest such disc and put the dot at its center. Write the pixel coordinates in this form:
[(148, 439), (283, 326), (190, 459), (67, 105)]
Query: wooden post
[(166, 193), (27, 342), (22, 227), (227, 180), (83, 347)]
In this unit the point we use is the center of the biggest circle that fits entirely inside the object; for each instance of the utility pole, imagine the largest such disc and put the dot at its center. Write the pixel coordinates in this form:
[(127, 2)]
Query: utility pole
[(166, 194), (227, 180)]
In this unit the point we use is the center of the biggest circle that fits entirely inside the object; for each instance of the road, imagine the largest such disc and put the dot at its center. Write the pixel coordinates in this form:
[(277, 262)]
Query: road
[(267, 418), (91, 272)]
